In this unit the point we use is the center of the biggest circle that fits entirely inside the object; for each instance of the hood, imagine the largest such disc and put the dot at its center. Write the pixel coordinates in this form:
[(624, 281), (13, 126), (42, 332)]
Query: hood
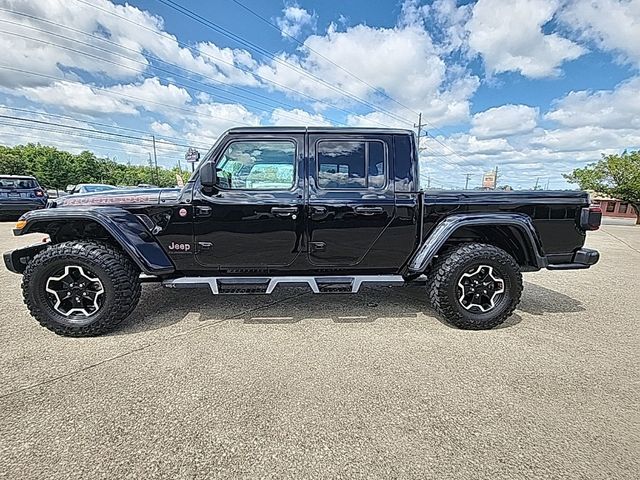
[(124, 197)]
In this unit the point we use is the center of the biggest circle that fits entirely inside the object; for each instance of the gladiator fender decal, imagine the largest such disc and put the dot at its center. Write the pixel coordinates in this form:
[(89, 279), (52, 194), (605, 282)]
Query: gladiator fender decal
[(449, 225), (122, 225)]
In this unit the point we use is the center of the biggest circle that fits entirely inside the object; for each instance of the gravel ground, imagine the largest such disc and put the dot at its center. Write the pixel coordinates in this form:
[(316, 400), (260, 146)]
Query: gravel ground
[(294, 385)]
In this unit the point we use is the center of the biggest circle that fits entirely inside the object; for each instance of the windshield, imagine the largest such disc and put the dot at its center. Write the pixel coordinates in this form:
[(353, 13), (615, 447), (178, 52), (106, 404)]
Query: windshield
[(96, 188), (13, 183)]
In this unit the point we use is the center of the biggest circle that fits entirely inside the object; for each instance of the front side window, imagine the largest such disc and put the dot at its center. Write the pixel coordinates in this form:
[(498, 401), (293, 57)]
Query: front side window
[(348, 164), (257, 165)]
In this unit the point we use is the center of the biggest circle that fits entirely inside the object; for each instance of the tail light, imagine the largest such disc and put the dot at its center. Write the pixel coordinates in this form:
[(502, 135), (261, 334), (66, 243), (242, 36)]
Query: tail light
[(590, 218), (39, 193)]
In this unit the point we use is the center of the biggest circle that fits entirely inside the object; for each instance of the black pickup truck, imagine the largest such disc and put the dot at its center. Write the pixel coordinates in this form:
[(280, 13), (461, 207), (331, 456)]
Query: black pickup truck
[(328, 208)]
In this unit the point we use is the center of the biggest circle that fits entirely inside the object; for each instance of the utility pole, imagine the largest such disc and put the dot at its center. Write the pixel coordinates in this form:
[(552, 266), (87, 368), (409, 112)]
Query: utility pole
[(466, 182), (419, 127), (535, 187), (155, 159)]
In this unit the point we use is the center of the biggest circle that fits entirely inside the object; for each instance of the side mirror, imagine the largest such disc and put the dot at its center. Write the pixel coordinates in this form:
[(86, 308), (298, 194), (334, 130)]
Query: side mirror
[(208, 176)]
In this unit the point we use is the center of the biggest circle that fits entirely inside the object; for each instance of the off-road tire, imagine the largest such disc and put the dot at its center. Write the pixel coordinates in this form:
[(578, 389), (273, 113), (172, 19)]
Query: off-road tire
[(447, 271), (118, 274)]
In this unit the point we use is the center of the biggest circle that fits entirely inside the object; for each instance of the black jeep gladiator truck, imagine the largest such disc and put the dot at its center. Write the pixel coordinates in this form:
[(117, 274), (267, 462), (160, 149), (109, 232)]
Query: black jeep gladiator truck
[(329, 208)]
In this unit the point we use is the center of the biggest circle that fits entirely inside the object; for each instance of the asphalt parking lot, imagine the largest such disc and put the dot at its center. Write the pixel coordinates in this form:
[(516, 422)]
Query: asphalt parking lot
[(294, 385)]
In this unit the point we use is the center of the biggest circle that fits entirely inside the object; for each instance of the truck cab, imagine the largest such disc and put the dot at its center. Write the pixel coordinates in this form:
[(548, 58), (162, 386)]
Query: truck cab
[(291, 199)]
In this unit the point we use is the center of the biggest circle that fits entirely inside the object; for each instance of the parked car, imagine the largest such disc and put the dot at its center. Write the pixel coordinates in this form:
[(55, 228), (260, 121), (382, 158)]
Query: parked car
[(89, 188), (54, 193), (329, 208), (20, 194)]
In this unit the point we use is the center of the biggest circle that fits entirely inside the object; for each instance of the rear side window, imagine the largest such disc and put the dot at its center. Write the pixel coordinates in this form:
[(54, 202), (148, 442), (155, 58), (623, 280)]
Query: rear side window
[(346, 164), (17, 183)]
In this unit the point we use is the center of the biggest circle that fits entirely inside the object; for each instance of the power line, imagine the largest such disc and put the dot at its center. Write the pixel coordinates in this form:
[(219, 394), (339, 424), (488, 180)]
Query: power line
[(221, 60), (91, 122), (84, 135), (146, 65), (120, 94), (376, 89), (217, 28), (74, 127), (214, 27), (122, 65), (156, 58), (68, 144)]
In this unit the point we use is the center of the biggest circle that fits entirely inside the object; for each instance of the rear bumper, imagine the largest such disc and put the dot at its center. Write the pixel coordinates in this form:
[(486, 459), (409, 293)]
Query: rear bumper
[(583, 258), (20, 207)]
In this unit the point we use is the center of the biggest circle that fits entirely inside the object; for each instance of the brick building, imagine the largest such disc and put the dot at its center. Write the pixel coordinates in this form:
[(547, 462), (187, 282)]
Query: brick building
[(612, 207)]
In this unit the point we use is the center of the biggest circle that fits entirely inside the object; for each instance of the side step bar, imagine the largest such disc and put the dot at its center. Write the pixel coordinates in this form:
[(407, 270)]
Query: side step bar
[(265, 285)]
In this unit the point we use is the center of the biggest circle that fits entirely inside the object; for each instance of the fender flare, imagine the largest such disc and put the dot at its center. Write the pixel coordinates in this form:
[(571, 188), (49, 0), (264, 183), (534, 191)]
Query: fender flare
[(125, 228), (447, 227)]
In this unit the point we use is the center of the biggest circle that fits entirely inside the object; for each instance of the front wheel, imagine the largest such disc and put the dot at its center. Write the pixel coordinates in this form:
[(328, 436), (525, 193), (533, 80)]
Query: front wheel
[(475, 286), (81, 288)]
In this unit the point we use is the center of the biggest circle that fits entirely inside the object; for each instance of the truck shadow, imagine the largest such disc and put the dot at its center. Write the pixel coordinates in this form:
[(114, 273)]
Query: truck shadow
[(537, 300), (160, 308)]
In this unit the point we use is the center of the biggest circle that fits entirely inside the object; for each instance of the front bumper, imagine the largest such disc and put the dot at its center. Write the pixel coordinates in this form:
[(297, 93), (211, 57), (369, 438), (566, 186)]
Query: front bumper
[(583, 258), (16, 260)]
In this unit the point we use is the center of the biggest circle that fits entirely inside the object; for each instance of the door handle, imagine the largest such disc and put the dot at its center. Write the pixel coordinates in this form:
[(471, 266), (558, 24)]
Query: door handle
[(203, 211), (284, 211), (368, 210)]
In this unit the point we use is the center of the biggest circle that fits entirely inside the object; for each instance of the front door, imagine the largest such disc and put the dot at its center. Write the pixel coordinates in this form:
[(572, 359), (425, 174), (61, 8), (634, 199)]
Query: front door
[(351, 200), (254, 218)]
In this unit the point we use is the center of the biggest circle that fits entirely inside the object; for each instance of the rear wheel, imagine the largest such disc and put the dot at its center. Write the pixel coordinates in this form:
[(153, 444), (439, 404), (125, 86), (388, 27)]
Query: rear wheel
[(475, 286), (81, 288)]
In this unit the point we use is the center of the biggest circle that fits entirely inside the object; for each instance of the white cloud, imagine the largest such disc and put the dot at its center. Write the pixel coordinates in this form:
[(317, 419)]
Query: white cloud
[(283, 117), (588, 139), (128, 32), (84, 98), (162, 129), (153, 95), (212, 119), (294, 20), (76, 97), (613, 25), (401, 63), (504, 121), (618, 108), (510, 38), (443, 19)]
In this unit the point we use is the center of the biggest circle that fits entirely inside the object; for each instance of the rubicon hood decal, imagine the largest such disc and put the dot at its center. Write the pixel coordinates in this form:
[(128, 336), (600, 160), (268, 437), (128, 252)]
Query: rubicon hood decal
[(146, 196), (130, 199)]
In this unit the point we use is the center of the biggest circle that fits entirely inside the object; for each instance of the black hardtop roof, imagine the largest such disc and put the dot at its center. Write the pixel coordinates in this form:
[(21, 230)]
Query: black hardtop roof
[(345, 130)]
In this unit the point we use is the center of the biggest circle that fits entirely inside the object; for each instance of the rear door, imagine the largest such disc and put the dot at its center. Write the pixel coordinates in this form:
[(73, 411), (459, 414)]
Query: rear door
[(351, 200)]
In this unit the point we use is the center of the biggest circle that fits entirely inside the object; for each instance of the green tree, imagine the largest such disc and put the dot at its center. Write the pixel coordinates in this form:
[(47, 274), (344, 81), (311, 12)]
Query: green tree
[(57, 168), (12, 164), (614, 175)]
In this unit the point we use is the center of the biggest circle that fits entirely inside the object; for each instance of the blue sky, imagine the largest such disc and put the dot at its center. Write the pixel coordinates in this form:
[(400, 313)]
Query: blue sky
[(536, 89)]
